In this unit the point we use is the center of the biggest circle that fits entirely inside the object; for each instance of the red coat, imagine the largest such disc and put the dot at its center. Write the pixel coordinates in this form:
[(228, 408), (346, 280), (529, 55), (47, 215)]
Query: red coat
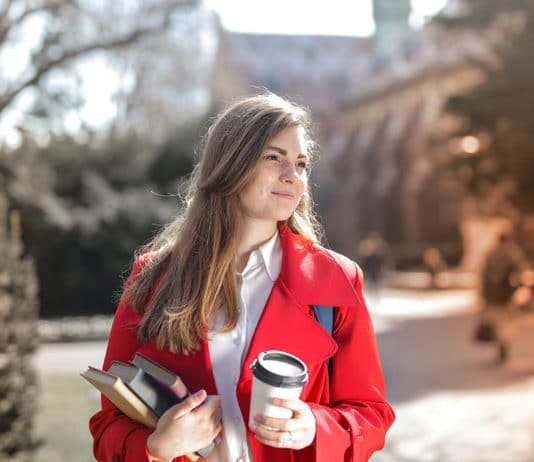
[(351, 412)]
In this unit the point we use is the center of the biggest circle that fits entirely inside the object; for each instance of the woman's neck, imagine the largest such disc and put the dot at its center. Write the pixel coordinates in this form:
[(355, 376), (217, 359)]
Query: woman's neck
[(253, 234)]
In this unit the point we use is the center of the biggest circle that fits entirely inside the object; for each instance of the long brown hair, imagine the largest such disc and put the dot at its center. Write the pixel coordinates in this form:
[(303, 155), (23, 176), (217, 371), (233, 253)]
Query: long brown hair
[(191, 272)]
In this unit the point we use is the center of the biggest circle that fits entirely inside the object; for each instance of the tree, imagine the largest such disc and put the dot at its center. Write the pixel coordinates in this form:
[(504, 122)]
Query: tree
[(493, 139), (52, 35), (43, 41), (86, 208), (18, 339)]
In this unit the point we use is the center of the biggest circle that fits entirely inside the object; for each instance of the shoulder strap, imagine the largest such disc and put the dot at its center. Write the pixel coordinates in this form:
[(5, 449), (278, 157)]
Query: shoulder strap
[(325, 316)]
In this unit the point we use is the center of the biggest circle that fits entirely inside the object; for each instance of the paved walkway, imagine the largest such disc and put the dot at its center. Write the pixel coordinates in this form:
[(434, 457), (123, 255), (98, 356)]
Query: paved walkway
[(452, 403)]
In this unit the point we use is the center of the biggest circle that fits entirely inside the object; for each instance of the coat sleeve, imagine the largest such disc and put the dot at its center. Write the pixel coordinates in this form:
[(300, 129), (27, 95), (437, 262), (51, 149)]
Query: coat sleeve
[(116, 437), (355, 422)]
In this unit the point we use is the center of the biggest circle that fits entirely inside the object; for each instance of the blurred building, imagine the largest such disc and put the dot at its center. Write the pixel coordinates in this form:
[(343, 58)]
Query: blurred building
[(380, 162), (379, 105), (317, 71)]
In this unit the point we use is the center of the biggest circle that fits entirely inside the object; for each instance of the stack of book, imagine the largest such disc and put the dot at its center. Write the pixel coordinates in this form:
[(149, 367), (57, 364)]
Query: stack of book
[(142, 389)]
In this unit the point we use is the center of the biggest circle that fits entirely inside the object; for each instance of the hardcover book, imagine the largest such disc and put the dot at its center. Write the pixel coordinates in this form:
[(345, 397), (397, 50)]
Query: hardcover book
[(152, 392), (121, 396), (170, 380), (166, 377), (143, 390)]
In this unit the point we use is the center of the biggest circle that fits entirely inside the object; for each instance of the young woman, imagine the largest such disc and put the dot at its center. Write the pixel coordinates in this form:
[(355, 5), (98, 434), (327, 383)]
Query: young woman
[(236, 274)]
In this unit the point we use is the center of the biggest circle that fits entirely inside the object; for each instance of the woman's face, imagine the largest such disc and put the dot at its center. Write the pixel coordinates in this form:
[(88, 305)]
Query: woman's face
[(279, 180)]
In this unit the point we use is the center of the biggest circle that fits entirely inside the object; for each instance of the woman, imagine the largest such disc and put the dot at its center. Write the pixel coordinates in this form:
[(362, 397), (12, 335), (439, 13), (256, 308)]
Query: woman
[(234, 275)]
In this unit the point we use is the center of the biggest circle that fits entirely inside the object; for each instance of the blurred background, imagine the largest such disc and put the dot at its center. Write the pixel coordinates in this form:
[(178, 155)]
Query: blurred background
[(423, 113)]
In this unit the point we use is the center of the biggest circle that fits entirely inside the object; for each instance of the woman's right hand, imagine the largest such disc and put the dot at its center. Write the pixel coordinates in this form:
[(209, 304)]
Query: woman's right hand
[(186, 427)]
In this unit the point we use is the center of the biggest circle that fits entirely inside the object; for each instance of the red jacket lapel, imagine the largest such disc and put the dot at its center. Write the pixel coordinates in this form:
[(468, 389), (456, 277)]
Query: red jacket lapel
[(307, 277), (314, 275)]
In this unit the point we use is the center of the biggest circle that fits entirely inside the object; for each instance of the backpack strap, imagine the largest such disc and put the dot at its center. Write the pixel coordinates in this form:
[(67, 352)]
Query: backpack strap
[(325, 317)]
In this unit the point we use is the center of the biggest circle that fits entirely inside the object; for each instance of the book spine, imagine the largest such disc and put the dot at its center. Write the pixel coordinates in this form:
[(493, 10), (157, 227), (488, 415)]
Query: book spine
[(179, 390), (153, 393)]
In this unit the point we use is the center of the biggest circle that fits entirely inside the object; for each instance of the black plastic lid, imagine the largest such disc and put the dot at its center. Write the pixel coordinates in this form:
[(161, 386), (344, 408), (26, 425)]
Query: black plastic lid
[(262, 372)]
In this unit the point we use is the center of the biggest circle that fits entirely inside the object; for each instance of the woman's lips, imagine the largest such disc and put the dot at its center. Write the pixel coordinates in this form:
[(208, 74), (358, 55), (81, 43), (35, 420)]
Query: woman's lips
[(285, 194)]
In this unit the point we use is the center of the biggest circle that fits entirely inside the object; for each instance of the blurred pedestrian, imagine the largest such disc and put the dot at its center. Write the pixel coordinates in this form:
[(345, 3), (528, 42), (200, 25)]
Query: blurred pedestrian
[(238, 273), (499, 280), (434, 263), (376, 260)]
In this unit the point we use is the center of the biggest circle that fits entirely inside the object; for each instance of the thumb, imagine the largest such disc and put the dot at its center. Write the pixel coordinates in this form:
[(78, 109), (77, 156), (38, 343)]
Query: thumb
[(188, 404)]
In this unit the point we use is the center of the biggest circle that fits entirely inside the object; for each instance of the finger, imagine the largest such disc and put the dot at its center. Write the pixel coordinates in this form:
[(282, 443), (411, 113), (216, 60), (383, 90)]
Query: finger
[(188, 404), (218, 414), (297, 406), (277, 439), (269, 432), (217, 429), (216, 417), (210, 404), (277, 424)]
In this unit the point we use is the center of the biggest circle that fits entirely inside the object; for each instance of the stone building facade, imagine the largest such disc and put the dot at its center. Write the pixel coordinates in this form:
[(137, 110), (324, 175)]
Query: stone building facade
[(378, 114), (381, 162), (316, 71)]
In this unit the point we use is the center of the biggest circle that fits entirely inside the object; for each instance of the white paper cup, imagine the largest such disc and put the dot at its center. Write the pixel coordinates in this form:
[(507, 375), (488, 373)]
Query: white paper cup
[(276, 374)]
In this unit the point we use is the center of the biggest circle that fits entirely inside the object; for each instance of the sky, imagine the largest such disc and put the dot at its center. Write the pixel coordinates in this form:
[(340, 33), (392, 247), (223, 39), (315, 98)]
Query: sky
[(323, 17)]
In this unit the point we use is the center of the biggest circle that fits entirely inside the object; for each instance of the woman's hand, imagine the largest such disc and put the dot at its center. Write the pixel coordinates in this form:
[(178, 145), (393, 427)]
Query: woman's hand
[(186, 427), (295, 433)]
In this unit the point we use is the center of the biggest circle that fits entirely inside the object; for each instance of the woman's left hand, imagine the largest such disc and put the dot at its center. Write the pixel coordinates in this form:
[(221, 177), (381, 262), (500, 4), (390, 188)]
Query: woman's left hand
[(295, 433)]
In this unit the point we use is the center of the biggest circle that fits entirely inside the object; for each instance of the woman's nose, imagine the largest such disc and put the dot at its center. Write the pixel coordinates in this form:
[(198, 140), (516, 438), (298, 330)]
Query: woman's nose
[(289, 172)]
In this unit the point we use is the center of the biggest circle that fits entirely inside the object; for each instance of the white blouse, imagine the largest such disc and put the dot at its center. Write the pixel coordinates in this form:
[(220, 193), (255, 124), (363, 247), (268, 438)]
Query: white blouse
[(228, 350)]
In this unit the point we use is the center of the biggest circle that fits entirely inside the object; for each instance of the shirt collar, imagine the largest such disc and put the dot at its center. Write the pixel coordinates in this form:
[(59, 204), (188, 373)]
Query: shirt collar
[(269, 254)]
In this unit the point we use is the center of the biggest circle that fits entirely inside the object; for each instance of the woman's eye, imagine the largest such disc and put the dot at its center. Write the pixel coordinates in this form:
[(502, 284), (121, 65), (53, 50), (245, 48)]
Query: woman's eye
[(302, 165), (271, 157)]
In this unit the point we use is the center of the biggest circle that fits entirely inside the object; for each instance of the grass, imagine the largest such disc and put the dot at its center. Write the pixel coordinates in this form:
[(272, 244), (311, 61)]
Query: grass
[(65, 405)]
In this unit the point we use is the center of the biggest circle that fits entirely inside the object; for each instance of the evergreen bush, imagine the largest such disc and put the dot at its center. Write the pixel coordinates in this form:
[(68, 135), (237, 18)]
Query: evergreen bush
[(18, 340), (85, 208)]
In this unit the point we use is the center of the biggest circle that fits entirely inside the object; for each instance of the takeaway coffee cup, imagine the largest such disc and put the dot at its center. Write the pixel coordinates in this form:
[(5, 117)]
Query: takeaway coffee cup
[(276, 374)]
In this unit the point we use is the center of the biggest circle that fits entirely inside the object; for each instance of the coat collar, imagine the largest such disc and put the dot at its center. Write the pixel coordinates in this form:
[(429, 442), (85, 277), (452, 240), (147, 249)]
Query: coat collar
[(310, 275), (314, 275)]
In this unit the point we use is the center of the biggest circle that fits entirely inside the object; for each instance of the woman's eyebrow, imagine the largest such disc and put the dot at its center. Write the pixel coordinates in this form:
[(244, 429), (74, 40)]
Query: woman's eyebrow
[(284, 152)]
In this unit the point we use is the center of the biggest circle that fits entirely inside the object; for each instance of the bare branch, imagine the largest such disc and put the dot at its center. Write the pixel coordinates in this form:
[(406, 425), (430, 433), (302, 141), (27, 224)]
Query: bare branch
[(6, 25), (169, 6), (4, 13), (119, 42)]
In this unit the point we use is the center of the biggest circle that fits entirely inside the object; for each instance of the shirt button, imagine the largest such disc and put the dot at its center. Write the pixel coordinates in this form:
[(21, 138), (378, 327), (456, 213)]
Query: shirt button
[(240, 459)]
